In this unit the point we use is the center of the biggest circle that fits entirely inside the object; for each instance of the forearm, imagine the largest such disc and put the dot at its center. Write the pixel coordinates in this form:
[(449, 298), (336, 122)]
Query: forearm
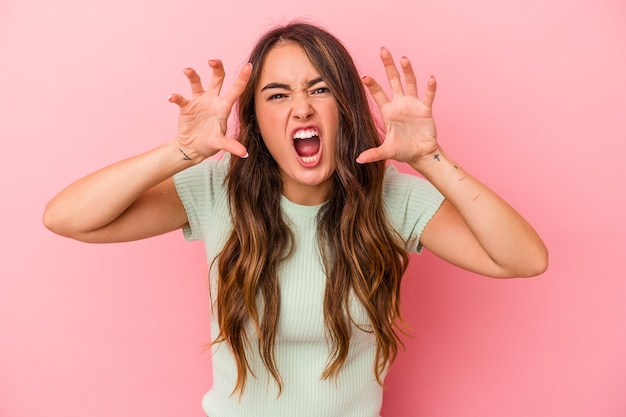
[(505, 236), (99, 198)]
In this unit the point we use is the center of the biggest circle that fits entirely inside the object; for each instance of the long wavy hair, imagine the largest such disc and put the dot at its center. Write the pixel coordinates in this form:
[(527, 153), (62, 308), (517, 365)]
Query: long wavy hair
[(362, 254)]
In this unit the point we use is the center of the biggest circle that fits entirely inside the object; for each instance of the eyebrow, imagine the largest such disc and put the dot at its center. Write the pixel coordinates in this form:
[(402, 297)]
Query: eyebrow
[(288, 87)]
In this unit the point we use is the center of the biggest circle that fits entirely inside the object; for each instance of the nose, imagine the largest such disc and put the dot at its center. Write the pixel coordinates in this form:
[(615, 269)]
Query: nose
[(301, 106)]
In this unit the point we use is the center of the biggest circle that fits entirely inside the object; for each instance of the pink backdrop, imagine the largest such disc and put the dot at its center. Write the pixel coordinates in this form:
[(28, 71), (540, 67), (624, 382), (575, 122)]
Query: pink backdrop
[(531, 100)]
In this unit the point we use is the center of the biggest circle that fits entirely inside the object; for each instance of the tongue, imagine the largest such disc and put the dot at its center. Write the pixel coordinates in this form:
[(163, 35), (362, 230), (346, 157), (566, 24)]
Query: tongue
[(307, 147)]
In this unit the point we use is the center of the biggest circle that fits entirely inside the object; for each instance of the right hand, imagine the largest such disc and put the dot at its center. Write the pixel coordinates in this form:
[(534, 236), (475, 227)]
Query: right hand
[(203, 118)]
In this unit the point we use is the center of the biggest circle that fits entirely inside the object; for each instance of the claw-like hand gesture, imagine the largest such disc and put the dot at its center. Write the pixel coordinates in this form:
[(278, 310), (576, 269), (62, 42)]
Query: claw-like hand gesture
[(203, 117), (409, 124)]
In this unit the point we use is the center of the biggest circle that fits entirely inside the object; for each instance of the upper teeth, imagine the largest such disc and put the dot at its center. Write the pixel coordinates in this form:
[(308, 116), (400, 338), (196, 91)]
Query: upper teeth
[(305, 134)]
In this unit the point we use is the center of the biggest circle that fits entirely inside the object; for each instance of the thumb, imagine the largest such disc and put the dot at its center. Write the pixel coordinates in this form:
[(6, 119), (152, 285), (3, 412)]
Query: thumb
[(235, 147), (370, 155)]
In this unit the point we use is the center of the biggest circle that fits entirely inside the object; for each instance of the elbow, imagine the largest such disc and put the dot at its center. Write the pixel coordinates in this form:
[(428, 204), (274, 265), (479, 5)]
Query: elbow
[(532, 265), (537, 268), (67, 222), (541, 266), (540, 261), (54, 220), (51, 220)]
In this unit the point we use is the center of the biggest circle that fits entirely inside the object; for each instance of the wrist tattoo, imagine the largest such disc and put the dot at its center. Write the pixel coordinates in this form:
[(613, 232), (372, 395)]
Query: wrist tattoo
[(437, 157), (185, 156)]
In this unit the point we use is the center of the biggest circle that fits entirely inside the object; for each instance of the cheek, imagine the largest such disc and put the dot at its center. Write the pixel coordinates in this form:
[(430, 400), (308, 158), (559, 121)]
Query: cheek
[(332, 117), (264, 124), (271, 136), (270, 118), (269, 133), (333, 125)]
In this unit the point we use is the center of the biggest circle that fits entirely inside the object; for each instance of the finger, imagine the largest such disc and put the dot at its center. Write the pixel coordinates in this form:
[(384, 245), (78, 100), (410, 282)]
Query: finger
[(217, 78), (235, 147), (194, 81), (177, 99), (376, 91), (238, 85), (392, 72), (409, 76), (431, 89), (371, 155)]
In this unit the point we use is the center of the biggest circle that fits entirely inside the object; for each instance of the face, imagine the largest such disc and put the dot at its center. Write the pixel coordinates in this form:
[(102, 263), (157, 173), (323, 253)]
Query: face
[(298, 119)]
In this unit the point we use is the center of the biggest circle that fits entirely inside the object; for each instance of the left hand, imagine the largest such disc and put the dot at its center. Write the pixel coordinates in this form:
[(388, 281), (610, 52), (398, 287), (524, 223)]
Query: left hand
[(409, 124)]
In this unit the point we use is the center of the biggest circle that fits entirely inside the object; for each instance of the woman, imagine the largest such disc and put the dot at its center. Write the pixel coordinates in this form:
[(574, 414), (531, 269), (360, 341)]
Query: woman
[(307, 230)]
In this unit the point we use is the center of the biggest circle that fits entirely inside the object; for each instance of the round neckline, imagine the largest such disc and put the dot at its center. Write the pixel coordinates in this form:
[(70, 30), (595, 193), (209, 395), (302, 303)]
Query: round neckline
[(299, 209)]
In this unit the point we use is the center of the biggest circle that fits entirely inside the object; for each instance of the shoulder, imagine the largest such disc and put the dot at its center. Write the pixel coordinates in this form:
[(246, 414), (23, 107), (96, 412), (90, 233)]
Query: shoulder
[(204, 183), (209, 169), (206, 177), (400, 187), (410, 202), (202, 190)]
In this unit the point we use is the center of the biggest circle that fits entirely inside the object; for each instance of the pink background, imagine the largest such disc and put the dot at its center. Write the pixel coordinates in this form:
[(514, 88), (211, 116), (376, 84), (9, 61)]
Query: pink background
[(531, 100)]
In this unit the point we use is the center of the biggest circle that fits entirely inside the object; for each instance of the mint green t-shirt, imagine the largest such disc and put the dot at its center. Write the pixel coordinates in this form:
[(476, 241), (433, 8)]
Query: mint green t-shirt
[(301, 351)]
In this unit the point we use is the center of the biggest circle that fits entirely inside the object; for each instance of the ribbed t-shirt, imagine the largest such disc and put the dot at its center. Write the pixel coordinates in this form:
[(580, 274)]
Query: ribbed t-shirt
[(301, 350)]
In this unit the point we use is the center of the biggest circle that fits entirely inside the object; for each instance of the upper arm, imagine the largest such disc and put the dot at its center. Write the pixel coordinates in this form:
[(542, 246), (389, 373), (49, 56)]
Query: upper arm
[(448, 236), (157, 211)]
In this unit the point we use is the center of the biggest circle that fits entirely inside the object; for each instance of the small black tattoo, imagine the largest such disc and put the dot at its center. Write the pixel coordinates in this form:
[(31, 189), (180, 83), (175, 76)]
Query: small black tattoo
[(437, 157), (185, 156)]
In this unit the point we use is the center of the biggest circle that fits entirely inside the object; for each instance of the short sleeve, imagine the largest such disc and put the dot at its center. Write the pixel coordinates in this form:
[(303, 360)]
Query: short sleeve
[(410, 202), (201, 190)]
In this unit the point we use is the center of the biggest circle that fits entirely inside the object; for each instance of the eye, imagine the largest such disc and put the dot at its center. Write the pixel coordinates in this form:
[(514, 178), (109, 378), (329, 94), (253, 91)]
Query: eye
[(276, 96), (320, 90)]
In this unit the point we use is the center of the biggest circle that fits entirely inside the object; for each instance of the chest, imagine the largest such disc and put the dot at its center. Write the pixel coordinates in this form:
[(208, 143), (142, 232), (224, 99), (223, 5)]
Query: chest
[(302, 281)]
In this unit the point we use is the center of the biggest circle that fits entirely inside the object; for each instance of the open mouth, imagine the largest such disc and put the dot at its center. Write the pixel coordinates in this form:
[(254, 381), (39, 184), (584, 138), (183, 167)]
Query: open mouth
[(307, 144)]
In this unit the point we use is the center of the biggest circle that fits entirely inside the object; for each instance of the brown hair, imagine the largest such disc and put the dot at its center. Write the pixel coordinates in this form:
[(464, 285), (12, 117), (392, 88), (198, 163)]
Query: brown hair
[(362, 254)]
